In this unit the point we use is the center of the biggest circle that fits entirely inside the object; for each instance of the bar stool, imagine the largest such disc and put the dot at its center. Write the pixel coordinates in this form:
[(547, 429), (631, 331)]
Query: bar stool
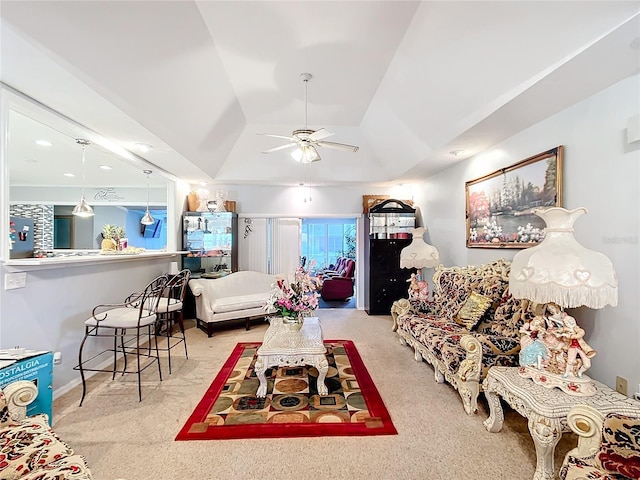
[(130, 324), (169, 313)]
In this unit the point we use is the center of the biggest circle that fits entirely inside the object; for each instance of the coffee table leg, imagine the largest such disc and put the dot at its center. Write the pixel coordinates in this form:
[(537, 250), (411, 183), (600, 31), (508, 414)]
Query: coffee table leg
[(322, 365), (496, 416), (261, 367), (546, 433)]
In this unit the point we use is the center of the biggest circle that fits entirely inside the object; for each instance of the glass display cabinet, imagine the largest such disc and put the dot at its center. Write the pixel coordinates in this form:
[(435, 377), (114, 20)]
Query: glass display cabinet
[(212, 242), (390, 224), (391, 219)]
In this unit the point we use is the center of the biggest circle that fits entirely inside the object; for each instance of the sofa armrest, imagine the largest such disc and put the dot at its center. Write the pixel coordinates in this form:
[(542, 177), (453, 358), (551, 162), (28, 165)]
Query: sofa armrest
[(398, 308), (586, 422), (17, 396), (340, 279), (197, 288)]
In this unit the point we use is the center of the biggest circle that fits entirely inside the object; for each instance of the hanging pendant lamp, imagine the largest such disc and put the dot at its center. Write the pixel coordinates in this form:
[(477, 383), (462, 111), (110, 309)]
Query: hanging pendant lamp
[(82, 209), (147, 219)]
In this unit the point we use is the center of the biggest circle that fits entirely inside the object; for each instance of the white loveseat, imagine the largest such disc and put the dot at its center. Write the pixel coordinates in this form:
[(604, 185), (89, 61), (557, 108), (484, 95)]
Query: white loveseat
[(237, 295)]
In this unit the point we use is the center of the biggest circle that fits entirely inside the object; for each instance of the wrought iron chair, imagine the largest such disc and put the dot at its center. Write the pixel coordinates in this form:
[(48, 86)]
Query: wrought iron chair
[(169, 313), (131, 326)]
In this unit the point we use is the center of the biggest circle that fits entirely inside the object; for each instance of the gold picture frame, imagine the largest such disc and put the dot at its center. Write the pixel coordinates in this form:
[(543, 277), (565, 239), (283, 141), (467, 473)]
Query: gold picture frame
[(369, 201), (499, 206)]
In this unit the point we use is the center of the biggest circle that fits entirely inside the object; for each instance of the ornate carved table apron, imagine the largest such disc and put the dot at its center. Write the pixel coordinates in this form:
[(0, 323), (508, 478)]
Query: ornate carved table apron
[(283, 346), (545, 409)]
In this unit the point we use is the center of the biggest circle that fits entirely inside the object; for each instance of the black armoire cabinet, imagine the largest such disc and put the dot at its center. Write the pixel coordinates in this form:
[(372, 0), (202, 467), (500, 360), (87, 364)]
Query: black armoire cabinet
[(389, 225)]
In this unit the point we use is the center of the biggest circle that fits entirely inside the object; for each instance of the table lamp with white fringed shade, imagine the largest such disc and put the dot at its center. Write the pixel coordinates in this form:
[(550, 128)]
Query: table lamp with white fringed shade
[(419, 254), (560, 273)]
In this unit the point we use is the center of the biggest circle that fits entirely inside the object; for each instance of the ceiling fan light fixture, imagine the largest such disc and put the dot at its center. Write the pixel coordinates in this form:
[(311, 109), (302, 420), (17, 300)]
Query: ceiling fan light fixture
[(305, 154)]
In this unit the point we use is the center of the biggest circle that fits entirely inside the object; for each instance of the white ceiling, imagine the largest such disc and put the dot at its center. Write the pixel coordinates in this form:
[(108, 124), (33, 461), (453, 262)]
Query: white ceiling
[(406, 81)]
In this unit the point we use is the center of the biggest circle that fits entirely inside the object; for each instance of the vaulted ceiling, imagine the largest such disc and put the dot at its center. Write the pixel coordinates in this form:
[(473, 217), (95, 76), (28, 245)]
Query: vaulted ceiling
[(409, 82)]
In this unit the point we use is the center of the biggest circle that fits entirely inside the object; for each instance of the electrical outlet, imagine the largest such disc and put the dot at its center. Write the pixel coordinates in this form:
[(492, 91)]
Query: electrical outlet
[(15, 280), (57, 358), (621, 385)]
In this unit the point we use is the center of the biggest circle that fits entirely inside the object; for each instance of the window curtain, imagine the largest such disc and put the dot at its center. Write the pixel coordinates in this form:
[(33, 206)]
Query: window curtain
[(284, 245), (252, 244), (269, 245)]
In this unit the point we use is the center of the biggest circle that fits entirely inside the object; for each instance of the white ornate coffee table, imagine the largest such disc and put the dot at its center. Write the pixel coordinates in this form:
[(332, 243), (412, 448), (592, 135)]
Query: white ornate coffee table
[(283, 346), (545, 409)]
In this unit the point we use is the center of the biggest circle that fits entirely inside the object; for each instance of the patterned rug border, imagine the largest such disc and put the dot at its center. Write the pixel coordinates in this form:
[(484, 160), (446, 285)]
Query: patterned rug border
[(369, 391)]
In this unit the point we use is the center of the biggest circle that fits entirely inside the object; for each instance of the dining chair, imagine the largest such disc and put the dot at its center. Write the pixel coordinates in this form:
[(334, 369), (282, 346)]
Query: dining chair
[(130, 325), (170, 313)]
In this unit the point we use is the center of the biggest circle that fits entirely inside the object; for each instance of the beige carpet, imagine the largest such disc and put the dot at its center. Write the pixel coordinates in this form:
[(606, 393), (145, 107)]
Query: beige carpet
[(124, 438)]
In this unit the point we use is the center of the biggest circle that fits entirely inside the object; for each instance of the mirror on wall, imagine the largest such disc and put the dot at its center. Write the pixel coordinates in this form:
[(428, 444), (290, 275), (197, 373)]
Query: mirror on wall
[(47, 177)]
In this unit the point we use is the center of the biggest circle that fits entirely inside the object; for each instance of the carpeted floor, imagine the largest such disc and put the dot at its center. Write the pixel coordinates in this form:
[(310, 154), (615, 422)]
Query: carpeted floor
[(124, 438), (292, 406)]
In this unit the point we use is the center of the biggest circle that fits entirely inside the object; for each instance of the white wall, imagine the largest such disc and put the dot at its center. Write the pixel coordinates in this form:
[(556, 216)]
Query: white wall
[(601, 173)]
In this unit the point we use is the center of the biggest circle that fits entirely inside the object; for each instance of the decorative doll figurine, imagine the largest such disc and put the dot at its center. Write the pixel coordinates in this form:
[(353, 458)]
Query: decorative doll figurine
[(418, 289), (533, 350), (573, 335)]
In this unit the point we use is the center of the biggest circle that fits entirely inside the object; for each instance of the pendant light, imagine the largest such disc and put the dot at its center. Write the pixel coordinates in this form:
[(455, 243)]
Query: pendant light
[(83, 209), (147, 219)]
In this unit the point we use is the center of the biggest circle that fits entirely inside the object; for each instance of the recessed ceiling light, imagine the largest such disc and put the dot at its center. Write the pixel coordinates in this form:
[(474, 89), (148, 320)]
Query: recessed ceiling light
[(143, 147), (105, 167), (69, 175), (44, 143)]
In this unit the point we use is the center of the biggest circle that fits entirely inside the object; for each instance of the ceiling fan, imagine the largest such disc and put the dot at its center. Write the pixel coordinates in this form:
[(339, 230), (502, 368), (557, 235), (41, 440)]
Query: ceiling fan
[(307, 140)]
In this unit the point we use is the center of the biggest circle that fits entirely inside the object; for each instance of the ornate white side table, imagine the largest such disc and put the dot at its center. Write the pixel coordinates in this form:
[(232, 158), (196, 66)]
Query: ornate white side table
[(545, 409), (283, 346)]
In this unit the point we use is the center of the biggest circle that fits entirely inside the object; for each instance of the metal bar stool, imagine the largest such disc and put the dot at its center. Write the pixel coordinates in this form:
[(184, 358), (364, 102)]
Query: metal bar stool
[(169, 313), (130, 324)]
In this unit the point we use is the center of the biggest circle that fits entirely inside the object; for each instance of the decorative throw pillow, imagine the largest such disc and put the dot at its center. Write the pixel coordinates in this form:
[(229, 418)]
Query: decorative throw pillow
[(472, 310)]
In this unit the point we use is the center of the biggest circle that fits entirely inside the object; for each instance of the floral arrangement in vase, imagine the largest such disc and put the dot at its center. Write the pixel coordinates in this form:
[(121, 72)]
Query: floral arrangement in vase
[(296, 299)]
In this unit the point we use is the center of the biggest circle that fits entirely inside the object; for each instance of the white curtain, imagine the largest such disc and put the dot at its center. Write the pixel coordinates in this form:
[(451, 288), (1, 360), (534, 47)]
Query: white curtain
[(269, 245), (285, 245), (252, 244)]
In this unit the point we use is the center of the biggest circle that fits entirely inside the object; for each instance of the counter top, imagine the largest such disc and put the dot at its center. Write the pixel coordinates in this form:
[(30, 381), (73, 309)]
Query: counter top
[(89, 258)]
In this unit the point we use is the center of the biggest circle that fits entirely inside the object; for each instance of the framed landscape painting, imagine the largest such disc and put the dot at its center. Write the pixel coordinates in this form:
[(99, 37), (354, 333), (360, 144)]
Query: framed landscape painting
[(500, 205)]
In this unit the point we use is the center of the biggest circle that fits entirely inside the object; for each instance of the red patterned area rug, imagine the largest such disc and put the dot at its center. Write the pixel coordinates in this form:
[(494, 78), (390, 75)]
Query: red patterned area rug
[(292, 407)]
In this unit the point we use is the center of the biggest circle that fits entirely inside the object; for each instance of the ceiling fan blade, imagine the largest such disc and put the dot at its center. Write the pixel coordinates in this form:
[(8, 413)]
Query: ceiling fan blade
[(276, 136), (339, 146), (320, 134), (281, 147)]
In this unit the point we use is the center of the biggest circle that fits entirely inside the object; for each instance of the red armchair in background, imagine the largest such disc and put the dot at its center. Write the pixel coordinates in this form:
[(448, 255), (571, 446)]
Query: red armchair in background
[(338, 284)]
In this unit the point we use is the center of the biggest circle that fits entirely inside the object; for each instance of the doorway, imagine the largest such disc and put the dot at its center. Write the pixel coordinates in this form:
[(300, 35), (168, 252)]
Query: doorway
[(323, 242)]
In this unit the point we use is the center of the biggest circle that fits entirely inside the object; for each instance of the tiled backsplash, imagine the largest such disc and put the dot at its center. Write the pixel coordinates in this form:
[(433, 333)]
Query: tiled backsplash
[(42, 216)]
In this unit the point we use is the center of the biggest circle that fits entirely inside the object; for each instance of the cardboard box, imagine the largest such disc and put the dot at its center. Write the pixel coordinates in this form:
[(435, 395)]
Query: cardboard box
[(39, 370)]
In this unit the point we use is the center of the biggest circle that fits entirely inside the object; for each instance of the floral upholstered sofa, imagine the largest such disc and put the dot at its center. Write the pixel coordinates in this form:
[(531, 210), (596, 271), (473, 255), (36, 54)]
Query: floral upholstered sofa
[(29, 448), (471, 324), (608, 446)]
